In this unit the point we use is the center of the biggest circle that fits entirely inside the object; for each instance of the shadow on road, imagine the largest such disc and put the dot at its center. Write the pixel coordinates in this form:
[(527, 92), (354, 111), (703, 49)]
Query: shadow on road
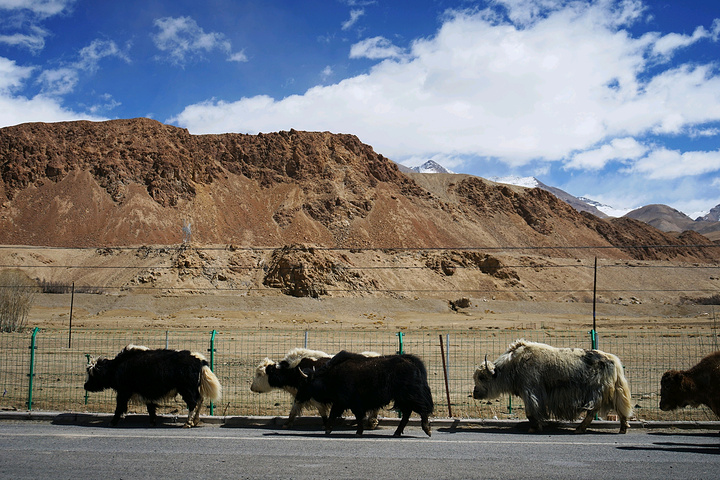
[(704, 448)]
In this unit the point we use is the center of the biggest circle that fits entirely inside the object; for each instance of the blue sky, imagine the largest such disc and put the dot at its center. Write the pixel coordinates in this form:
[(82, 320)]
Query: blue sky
[(616, 100)]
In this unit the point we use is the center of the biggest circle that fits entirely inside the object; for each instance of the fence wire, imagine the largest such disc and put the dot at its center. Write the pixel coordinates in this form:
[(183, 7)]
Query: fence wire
[(58, 367)]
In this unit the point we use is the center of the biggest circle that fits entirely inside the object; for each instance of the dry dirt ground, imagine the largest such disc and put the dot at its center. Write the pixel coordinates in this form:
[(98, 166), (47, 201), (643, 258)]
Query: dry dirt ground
[(164, 289), (227, 312)]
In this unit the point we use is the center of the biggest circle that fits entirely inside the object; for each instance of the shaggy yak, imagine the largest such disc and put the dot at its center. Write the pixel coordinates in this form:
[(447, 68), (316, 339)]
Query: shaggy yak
[(699, 385), (151, 376), (286, 375), (557, 382)]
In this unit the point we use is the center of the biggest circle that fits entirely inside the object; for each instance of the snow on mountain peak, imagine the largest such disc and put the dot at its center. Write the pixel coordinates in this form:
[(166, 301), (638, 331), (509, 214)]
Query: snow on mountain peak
[(527, 182)]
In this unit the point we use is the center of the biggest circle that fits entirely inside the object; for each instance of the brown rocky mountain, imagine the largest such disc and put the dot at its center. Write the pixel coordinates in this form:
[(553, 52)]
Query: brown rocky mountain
[(667, 219), (305, 214), (135, 182)]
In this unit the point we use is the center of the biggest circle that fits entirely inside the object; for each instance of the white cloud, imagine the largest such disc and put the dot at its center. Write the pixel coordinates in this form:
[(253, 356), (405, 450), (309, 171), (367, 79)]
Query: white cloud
[(621, 149), (12, 76), (98, 49), (21, 24), (354, 17), (44, 8), (376, 48), (34, 41), (565, 78), (63, 80), (326, 72), (15, 109), (238, 57), (60, 81), (183, 40), (668, 164), (667, 44)]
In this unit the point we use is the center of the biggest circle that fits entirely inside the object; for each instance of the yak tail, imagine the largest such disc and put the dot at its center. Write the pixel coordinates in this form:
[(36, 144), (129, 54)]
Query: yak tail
[(621, 400), (210, 388)]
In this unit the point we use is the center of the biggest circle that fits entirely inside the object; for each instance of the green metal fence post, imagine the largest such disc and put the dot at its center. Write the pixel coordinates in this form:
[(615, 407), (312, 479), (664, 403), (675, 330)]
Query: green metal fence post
[(593, 339), (212, 364), (400, 343), (32, 367)]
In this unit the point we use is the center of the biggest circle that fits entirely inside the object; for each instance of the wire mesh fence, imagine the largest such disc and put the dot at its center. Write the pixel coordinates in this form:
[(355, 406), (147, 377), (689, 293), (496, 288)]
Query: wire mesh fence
[(45, 369)]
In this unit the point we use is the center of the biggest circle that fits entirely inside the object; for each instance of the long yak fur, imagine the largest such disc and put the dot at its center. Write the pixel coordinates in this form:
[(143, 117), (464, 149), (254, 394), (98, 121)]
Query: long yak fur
[(559, 383)]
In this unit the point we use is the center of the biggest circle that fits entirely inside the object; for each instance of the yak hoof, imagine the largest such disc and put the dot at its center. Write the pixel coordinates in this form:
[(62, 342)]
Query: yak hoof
[(426, 429), (373, 423)]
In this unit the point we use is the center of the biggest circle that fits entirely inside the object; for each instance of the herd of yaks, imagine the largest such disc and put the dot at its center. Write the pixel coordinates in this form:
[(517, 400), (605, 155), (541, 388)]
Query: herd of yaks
[(559, 383)]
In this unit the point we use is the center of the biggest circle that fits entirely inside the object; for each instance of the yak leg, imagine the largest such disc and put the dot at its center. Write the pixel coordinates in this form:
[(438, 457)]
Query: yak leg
[(196, 417), (624, 425), (324, 411), (360, 418), (191, 400), (404, 421), (152, 411), (294, 412), (535, 424), (586, 421), (335, 413), (425, 422), (120, 408)]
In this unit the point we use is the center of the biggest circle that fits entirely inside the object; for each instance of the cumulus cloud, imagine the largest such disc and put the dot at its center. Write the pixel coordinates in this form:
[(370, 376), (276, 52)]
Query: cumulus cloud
[(621, 149), (528, 82), (183, 40), (668, 44), (666, 164), (15, 109), (12, 76)]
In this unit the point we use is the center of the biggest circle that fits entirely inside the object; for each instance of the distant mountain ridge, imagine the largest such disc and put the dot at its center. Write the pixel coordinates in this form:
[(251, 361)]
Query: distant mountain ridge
[(662, 217), (668, 219), (139, 182)]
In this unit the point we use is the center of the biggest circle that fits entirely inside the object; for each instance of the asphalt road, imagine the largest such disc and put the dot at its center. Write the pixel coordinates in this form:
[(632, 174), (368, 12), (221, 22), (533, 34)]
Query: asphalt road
[(33, 449)]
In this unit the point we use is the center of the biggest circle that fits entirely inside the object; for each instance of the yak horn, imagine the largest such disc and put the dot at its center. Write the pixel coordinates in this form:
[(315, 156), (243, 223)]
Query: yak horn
[(486, 362), (305, 375)]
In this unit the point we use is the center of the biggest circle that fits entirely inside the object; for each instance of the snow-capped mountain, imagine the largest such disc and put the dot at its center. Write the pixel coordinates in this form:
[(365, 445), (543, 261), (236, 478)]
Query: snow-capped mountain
[(706, 224), (527, 182), (430, 166), (532, 182), (608, 210)]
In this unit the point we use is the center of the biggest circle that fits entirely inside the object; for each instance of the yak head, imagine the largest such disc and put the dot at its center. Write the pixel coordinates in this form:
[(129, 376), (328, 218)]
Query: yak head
[(260, 383), (674, 390), (98, 375), (484, 378)]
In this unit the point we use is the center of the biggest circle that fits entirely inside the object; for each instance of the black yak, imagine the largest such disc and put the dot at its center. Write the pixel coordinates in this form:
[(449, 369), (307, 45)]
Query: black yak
[(360, 384), (151, 376), (286, 375)]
